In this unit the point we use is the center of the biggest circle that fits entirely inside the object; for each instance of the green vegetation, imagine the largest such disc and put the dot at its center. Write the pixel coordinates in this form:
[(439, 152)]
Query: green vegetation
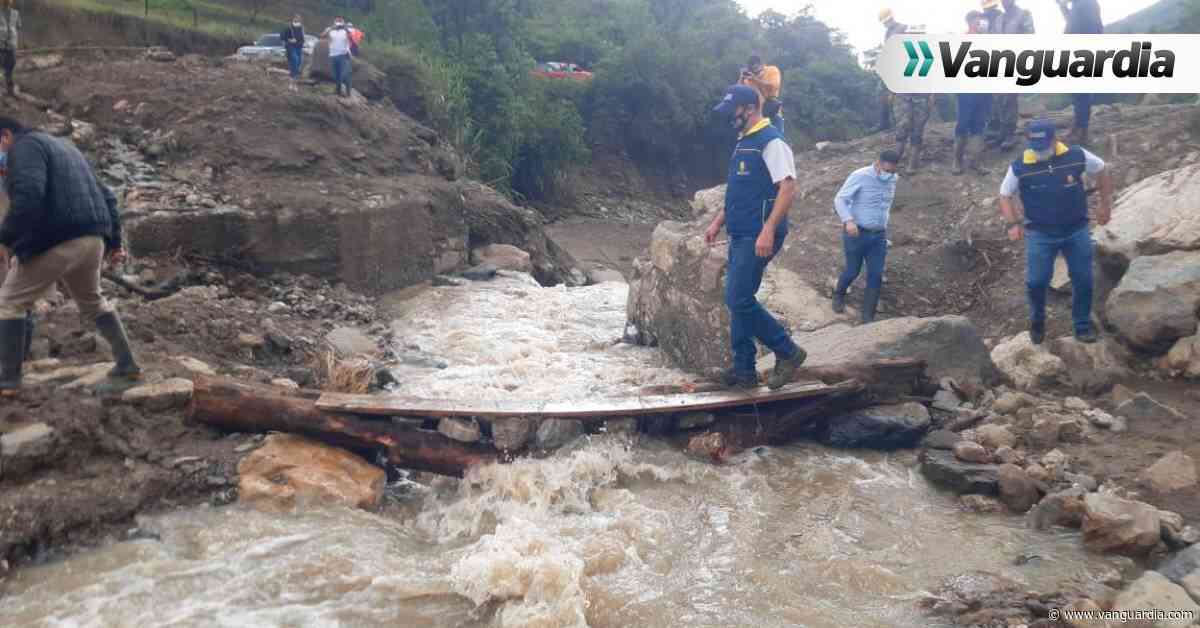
[(464, 67)]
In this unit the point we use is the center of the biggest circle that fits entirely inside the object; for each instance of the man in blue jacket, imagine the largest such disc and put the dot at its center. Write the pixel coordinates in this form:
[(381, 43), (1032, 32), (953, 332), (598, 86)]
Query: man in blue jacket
[(762, 183), (293, 44), (61, 221), (1049, 178)]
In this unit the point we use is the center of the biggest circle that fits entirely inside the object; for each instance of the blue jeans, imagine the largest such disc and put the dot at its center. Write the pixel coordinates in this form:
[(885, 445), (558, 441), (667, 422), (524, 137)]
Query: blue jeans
[(1041, 249), (748, 319), (870, 247), (295, 57), (973, 113), (1083, 109), (341, 71)]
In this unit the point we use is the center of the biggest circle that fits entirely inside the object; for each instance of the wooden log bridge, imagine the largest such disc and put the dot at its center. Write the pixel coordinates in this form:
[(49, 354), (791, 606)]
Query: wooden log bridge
[(354, 421)]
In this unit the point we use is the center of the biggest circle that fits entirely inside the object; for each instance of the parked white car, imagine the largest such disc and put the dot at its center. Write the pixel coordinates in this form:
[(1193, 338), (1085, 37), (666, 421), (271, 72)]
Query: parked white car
[(270, 46)]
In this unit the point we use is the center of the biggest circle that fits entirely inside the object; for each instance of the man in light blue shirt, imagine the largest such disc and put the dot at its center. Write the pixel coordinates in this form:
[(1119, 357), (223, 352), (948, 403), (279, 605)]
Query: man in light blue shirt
[(863, 205)]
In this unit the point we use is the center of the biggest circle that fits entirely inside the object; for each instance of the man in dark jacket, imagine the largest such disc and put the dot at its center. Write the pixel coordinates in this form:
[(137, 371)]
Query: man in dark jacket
[(1083, 18), (61, 220), (293, 44)]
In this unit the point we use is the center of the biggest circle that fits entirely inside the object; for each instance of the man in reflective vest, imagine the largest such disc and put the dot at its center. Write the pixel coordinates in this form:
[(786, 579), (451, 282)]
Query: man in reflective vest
[(762, 183), (1049, 178)]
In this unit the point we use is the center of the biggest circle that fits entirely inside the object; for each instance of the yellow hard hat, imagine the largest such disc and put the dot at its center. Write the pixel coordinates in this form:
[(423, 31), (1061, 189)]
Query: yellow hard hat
[(990, 4), (885, 15)]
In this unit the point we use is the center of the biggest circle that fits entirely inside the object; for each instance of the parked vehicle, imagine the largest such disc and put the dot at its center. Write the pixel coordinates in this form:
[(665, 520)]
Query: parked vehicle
[(270, 46), (561, 70)]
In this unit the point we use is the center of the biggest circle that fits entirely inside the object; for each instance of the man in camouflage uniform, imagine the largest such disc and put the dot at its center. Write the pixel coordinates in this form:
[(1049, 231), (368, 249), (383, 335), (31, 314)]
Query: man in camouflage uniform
[(910, 111), (1002, 128)]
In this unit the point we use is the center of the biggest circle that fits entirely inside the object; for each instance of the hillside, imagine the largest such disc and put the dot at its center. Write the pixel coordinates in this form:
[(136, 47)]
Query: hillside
[(1165, 16)]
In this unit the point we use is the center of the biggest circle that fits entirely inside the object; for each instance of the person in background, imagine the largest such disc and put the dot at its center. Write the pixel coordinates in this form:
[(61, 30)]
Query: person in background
[(293, 43), (1002, 128), (356, 37), (60, 225), (911, 111), (1049, 178), (762, 184), (864, 204), (767, 80), (973, 111), (339, 55), (10, 29), (1083, 18)]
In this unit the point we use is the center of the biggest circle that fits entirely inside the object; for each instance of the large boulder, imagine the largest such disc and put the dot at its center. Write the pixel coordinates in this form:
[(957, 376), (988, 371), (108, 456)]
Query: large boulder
[(1174, 472), (1157, 300), (1154, 592), (1154, 216), (289, 471), (413, 228), (1183, 360), (943, 469), (949, 345), (880, 427), (370, 81), (676, 298), (1112, 524), (1093, 367), (1029, 366), (1017, 490), (1182, 565)]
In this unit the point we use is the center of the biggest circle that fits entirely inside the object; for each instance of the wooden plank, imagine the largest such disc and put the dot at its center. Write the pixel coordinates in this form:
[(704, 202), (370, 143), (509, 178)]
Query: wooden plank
[(399, 405)]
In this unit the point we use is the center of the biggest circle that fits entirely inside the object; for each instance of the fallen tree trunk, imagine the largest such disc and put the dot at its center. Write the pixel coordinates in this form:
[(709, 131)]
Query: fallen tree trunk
[(237, 407)]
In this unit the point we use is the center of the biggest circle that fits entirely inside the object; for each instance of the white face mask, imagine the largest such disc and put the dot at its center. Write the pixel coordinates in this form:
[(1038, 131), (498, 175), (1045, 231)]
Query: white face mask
[(296, 24), (339, 25)]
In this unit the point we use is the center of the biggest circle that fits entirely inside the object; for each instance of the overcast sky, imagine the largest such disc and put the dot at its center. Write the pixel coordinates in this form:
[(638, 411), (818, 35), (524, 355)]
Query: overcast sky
[(859, 18)]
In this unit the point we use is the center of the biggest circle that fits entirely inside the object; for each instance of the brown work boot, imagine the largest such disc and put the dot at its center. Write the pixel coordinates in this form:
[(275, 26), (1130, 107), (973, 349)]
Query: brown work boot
[(785, 370)]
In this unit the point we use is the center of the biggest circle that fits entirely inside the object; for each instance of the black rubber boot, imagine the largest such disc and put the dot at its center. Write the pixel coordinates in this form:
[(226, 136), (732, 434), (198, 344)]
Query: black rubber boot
[(734, 379), (1037, 332), (109, 325), (839, 303), (12, 354), (870, 304)]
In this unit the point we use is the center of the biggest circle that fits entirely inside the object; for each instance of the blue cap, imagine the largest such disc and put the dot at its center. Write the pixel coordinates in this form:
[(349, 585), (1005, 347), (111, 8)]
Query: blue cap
[(736, 96), (1041, 134)]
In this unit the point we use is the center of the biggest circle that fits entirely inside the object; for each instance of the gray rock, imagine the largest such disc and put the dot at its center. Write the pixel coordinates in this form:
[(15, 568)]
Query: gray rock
[(1008, 455), (503, 257), (628, 425), (1064, 508), (995, 436), (941, 439), (1045, 432), (1143, 407), (351, 341), (172, 393), (1082, 480), (1028, 366), (969, 451), (463, 430), (946, 400), (482, 272), (1093, 367), (558, 432), (1156, 302), (1112, 524), (1072, 430), (1181, 565), (880, 427), (944, 470), (443, 281), (1153, 591), (1174, 472), (26, 448), (693, 420), (1017, 490), (512, 434), (1155, 215), (1010, 402)]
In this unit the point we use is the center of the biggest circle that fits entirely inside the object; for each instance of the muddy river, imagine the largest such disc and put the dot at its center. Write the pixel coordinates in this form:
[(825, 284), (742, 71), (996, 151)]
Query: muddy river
[(606, 533)]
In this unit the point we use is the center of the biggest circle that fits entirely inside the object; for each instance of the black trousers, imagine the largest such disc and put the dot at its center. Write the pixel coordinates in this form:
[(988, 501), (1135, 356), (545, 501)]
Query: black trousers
[(8, 62)]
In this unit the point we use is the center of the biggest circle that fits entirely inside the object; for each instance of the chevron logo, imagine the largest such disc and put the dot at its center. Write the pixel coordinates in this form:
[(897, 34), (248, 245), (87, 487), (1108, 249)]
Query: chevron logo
[(914, 58)]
